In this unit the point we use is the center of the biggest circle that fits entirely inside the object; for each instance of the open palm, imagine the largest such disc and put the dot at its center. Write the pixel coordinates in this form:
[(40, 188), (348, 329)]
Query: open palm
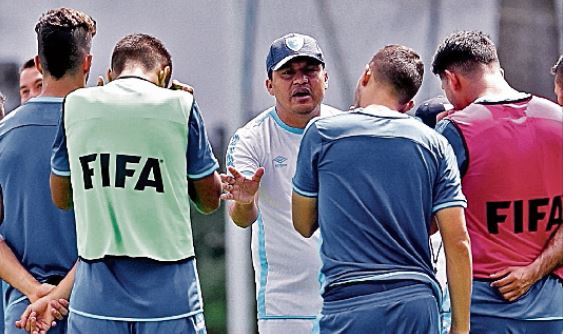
[(240, 188)]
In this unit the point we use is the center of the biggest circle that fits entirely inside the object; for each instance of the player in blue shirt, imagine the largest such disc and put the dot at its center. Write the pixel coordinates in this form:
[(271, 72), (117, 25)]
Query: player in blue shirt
[(372, 180), (40, 240)]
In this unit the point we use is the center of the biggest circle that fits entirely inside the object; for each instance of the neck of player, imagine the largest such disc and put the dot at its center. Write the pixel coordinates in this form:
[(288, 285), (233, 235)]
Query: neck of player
[(62, 86)]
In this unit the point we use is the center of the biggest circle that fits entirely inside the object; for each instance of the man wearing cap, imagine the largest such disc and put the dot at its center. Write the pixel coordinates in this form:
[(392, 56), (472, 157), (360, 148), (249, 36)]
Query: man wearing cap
[(286, 266)]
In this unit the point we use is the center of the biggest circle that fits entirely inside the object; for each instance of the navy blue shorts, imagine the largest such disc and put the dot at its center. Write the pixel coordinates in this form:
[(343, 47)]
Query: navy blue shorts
[(495, 325), (78, 324), (406, 309)]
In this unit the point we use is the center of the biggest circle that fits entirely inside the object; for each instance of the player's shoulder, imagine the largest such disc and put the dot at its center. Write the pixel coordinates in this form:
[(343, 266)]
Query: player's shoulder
[(544, 107), (327, 111), (37, 111), (257, 125)]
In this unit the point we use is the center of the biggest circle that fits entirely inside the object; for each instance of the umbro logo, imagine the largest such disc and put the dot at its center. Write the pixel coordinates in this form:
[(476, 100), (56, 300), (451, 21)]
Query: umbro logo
[(279, 161)]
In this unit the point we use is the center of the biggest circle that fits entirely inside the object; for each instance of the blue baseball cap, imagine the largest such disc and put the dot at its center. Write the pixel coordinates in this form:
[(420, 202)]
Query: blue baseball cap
[(291, 46), (429, 110)]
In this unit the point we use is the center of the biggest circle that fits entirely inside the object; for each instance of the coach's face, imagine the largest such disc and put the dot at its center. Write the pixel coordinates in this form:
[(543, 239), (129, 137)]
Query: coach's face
[(298, 86)]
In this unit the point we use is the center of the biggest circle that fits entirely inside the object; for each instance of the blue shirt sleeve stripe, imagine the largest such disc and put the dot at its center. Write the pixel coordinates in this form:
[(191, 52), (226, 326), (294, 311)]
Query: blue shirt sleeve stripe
[(449, 204), (206, 172), (304, 193), (60, 172)]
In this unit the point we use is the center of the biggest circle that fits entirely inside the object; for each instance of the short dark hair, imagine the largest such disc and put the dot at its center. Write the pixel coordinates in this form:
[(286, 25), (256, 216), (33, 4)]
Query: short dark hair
[(464, 50), (141, 49), (557, 69), (30, 63), (64, 36), (400, 67)]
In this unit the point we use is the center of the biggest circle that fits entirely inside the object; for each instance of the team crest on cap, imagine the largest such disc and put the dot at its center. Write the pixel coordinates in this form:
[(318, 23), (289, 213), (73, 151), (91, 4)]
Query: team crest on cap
[(295, 43)]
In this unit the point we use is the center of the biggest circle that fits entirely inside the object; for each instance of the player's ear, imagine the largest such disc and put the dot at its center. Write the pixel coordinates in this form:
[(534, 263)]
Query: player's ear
[(110, 75), (87, 63), (269, 87), (406, 107), (364, 79), (163, 76), (452, 79), (38, 64)]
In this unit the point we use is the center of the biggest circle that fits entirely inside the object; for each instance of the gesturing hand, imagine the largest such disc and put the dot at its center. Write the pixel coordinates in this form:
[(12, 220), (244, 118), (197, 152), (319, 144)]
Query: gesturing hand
[(240, 188)]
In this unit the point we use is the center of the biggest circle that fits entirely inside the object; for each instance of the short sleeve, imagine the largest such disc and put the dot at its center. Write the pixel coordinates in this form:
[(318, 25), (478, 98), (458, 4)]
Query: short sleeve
[(447, 189), (241, 153), (454, 137), (305, 180), (59, 155), (199, 154)]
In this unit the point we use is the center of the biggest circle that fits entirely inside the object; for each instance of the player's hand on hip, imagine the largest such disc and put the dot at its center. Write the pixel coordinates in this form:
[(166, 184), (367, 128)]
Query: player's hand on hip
[(513, 282), (240, 188)]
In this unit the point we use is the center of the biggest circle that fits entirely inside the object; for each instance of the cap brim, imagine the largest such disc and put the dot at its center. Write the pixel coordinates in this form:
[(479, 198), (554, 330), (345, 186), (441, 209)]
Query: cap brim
[(288, 58)]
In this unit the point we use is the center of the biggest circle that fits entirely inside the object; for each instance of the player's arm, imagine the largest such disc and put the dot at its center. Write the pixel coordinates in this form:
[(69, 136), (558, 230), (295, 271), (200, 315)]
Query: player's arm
[(451, 222), (61, 188), (305, 183), (243, 214), (242, 191), (205, 193), (513, 282), (12, 271), (448, 209), (449, 130), (304, 214), (204, 183), (61, 191), (242, 183)]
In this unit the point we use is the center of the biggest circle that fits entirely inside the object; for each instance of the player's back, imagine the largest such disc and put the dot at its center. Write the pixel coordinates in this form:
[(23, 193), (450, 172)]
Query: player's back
[(42, 236), (127, 151), (515, 148), (380, 173)]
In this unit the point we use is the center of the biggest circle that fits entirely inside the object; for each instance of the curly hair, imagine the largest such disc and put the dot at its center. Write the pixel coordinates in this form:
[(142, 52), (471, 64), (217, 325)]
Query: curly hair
[(464, 50)]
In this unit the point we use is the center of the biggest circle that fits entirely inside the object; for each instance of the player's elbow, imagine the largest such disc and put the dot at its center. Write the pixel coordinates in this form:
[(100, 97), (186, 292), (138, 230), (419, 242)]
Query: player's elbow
[(307, 233), (305, 228), (205, 193), (61, 202), (459, 249), (61, 192), (207, 207)]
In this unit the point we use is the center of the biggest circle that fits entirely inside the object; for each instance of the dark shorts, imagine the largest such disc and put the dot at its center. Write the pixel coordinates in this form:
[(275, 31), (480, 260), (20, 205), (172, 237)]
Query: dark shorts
[(78, 324), (496, 325), (407, 309)]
